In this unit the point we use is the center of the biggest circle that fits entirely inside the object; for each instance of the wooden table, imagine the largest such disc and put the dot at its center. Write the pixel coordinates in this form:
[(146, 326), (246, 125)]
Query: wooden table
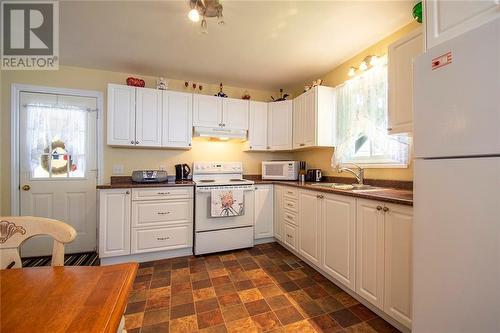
[(64, 299)]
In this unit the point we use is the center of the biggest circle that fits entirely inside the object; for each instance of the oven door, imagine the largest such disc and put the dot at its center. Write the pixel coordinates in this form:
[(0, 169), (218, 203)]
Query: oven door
[(205, 222)]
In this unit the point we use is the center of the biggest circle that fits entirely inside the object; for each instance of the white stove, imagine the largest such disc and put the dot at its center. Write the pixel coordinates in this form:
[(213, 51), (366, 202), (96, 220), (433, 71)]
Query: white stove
[(221, 233)]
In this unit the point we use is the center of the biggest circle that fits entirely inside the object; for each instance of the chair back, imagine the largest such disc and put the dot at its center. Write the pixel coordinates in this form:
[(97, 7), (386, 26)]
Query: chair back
[(15, 230)]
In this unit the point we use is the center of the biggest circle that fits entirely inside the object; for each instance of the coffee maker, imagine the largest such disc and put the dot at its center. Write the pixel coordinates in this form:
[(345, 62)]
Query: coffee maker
[(182, 171)]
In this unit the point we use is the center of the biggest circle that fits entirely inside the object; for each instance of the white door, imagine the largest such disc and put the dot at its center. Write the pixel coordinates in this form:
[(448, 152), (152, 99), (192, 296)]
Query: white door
[(456, 238), (298, 121), (264, 211), (121, 115), (177, 119), (207, 111), (370, 252), (446, 19), (280, 125), (278, 212), (58, 172), (148, 117), (114, 222), (235, 113), (309, 225), (339, 237), (257, 127), (398, 262), (310, 114), (400, 81)]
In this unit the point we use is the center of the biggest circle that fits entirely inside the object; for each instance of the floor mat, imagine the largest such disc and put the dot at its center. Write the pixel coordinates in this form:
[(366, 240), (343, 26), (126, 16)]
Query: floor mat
[(74, 259)]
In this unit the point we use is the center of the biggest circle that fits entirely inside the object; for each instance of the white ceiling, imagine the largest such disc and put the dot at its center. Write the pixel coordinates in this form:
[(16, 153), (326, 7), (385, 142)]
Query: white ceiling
[(264, 44)]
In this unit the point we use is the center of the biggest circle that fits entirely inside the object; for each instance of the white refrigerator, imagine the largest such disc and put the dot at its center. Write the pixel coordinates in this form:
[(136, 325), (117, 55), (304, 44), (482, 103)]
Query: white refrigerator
[(456, 235)]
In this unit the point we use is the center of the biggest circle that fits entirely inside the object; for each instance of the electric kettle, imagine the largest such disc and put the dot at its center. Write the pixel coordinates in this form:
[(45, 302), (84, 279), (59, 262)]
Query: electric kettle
[(182, 171)]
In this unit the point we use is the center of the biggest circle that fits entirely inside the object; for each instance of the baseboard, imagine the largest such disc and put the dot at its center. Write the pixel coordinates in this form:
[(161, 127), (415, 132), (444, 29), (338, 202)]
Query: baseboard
[(339, 284), (263, 240), (142, 257)]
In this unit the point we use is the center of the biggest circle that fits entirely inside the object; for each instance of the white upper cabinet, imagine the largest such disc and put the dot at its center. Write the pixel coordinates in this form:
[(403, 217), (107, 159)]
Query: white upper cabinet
[(279, 125), (235, 113), (121, 115), (257, 126), (400, 68), (177, 119), (207, 111), (148, 117), (213, 111), (314, 118), (264, 211), (446, 19)]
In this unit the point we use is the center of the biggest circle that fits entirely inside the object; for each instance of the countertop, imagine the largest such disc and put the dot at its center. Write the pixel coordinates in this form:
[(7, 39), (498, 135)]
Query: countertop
[(393, 195), (402, 196)]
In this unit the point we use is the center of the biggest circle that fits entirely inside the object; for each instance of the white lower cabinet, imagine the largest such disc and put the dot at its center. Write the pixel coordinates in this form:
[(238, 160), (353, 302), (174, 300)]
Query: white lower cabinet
[(398, 263), (370, 252), (278, 212), (114, 222), (309, 218), (142, 220), (339, 238), (264, 208), (363, 244)]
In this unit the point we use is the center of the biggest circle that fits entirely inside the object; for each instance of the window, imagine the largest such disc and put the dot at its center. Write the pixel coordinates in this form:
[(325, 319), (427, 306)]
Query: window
[(362, 124)]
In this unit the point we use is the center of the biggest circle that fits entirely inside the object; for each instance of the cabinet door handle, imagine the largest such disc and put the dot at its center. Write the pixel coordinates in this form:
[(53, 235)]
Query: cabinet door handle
[(302, 144), (162, 238), (163, 213), (163, 193), (320, 196), (385, 209), (379, 207), (289, 205)]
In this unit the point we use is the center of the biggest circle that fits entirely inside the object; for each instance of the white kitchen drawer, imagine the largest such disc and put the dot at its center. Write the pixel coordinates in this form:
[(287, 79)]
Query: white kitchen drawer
[(291, 192), (290, 235), (290, 204), (158, 193), (161, 212), (290, 217), (163, 238)]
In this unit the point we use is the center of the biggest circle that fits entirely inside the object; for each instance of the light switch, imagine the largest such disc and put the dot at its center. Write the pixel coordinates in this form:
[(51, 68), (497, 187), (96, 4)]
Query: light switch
[(117, 169)]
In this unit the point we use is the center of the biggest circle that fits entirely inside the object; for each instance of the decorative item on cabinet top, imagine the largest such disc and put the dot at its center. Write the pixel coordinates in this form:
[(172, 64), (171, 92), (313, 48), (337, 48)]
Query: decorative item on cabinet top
[(161, 84), (246, 95), (282, 97), (135, 82), (221, 93), (315, 83)]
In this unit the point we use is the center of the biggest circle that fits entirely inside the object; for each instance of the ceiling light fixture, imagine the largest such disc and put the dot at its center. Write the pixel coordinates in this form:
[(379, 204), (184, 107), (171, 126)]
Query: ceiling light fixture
[(205, 9)]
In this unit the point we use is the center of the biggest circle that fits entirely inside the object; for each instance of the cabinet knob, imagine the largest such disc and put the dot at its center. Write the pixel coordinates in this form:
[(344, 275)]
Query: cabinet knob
[(127, 192), (389, 129), (268, 147), (320, 196), (379, 207), (189, 145), (137, 142), (250, 147), (132, 142), (386, 209), (302, 144)]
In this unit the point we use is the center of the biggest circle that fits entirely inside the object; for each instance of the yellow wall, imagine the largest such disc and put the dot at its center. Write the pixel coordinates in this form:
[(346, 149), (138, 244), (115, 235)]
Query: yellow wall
[(321, 158), (131, 159)]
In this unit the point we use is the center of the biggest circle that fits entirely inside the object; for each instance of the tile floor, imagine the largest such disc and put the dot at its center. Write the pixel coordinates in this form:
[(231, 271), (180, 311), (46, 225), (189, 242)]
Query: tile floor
[(262, 289)]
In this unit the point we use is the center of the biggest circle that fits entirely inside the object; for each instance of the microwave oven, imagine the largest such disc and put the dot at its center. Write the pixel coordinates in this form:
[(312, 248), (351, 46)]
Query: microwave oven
[(280, 170)]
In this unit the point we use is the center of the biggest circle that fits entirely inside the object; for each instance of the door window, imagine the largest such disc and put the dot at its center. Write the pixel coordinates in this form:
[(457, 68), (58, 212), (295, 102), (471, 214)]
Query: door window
[(56, 140)]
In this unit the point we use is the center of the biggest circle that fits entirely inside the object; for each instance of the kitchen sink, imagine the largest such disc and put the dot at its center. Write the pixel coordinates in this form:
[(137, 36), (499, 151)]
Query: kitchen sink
[(351, 187)]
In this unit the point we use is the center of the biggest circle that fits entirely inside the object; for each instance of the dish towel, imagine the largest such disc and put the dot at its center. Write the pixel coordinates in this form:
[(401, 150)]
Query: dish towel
[(226, 202)]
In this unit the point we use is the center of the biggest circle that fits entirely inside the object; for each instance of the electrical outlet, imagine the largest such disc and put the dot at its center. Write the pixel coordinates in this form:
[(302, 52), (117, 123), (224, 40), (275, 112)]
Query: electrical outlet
[(163, 167), (117, 169)]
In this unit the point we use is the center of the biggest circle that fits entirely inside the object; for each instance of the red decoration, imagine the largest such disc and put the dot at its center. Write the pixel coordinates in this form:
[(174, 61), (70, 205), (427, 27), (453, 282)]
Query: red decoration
[(132, 81)]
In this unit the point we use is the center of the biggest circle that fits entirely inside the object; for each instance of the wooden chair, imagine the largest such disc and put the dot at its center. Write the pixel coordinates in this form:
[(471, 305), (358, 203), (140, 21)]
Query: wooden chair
[(14, 230)]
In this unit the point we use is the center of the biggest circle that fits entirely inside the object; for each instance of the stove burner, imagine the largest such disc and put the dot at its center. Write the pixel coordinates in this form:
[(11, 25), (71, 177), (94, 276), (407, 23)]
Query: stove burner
[(207, 181)]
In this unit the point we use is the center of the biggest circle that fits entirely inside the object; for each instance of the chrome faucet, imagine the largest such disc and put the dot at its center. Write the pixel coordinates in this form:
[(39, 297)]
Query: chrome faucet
[(360, 175)]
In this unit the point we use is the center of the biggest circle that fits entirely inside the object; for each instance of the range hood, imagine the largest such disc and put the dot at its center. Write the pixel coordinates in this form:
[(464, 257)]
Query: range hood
[(220, 133)]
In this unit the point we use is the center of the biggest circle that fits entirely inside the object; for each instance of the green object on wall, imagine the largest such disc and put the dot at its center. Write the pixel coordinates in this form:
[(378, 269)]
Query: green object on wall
[(417, 12)]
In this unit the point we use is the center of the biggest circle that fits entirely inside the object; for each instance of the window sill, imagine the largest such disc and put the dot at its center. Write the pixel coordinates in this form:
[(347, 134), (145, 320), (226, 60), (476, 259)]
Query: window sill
[(381, 165)]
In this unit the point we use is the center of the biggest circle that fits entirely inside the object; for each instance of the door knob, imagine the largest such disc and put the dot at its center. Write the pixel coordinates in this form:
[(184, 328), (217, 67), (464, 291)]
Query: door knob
[(26, 188)]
